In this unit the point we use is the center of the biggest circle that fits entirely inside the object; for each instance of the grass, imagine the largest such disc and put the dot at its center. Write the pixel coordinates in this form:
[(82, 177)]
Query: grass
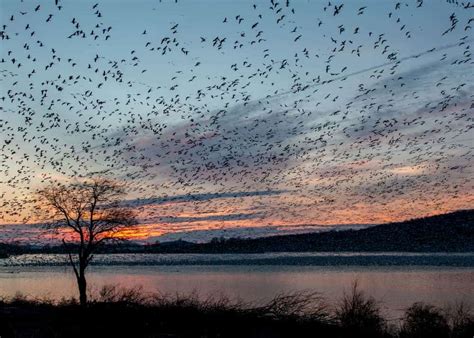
[(116, 312)]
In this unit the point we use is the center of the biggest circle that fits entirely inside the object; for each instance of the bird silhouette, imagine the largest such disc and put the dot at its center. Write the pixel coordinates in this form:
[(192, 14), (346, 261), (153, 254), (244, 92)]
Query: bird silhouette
[(323, 108)]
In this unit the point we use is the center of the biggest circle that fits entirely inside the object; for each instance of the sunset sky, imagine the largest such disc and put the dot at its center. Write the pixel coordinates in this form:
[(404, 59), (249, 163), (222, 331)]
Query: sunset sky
[(235, 114)]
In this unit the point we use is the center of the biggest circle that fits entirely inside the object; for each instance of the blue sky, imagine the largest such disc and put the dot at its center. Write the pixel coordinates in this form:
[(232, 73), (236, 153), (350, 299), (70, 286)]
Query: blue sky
[(358, 117)]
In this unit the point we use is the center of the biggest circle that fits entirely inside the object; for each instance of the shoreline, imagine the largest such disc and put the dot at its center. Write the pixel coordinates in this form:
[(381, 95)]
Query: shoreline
[(116, 312)]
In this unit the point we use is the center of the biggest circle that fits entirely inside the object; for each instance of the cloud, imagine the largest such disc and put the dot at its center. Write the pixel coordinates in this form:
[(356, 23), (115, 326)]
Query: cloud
[(248, 232), (200, 197), (228, 217), (245, 143)]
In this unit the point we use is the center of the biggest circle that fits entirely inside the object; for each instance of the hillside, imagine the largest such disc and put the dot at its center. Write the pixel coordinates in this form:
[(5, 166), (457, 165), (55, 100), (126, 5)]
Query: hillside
[(452, 232)]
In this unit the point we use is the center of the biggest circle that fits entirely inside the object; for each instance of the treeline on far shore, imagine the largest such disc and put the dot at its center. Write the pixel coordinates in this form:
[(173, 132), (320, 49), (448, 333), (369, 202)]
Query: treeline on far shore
[(451, 232), (115, 312)]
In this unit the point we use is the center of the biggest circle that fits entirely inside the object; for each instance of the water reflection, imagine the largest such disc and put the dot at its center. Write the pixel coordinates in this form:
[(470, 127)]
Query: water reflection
[(282, 258), (395, 287)]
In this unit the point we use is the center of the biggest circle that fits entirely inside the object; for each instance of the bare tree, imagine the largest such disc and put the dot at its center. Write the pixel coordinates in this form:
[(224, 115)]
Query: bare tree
[(92, 211)]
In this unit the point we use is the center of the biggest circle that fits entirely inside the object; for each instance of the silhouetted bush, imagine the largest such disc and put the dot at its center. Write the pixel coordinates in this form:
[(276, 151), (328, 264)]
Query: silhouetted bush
[(119, 312), (114, 294), (422, 320), (461, 321), (300, 305), (360, 315)]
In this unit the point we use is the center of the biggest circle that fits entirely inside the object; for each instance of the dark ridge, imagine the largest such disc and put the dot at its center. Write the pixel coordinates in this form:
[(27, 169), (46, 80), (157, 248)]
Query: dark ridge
[(451, 232)]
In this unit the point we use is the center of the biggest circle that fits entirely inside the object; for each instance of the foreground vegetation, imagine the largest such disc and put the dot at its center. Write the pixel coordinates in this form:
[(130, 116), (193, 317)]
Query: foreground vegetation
[(130, 313)]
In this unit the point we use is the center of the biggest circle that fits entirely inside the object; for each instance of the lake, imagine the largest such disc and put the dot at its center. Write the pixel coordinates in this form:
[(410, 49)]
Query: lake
[(395, 279)]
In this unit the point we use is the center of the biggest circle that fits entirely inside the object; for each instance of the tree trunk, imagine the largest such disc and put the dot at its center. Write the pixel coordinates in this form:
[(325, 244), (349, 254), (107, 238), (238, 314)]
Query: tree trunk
[(82, 284)]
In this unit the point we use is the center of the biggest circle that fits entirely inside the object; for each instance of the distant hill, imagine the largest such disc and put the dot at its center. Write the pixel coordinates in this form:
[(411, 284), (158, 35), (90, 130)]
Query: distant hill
[(452, 232)]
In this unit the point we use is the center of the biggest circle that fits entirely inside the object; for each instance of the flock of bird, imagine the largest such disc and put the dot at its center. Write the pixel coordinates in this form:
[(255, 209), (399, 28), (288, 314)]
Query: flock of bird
[(324, 112)]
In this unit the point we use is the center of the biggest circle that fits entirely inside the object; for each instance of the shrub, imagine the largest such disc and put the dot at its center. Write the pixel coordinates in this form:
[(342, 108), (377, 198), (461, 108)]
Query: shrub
[(301, 305), (461, 320), (359, 315), (115, 294), (422, 320)]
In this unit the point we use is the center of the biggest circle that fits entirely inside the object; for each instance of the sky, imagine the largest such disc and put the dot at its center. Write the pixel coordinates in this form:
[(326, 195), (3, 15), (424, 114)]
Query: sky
[(239, 118)]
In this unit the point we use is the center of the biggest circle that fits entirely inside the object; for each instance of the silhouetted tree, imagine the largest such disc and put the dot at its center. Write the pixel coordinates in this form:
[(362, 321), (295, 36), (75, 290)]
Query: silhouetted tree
[(423, 320), (92, 211)]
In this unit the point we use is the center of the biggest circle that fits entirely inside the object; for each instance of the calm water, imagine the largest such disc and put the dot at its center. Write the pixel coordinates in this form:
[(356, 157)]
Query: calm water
[(395, 279)]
